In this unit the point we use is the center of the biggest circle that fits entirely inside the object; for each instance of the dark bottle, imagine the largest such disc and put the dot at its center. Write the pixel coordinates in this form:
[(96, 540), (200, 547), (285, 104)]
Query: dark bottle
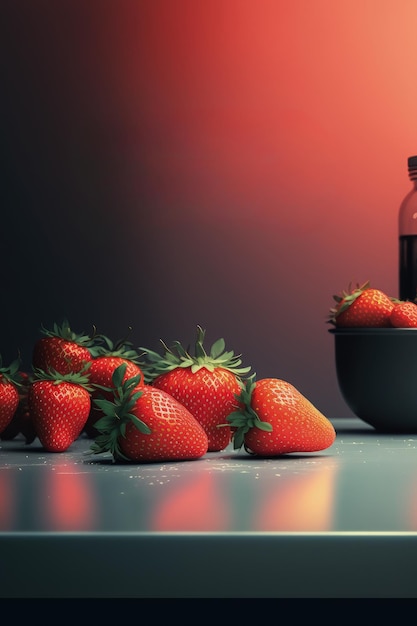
[(407, 229)]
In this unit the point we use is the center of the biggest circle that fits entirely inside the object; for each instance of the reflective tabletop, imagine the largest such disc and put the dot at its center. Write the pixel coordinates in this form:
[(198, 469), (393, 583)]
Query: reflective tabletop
[(338, 522)]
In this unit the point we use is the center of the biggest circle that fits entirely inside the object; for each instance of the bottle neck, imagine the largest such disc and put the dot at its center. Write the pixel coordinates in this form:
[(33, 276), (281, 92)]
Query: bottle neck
[(412, 174)]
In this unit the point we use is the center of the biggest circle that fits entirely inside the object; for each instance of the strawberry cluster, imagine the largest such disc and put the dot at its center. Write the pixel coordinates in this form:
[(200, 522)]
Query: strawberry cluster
[(364, 306), (143, 406)]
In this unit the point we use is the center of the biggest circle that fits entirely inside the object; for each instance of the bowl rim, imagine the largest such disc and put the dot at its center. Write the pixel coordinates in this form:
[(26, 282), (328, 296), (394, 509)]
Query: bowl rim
[(370, 330)]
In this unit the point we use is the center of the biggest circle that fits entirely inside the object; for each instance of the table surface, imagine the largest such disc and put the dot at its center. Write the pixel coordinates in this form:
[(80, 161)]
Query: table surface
[(338, 522)]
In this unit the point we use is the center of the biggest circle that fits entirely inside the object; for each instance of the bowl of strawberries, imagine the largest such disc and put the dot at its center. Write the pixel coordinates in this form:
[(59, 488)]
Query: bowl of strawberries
[(375, 340)]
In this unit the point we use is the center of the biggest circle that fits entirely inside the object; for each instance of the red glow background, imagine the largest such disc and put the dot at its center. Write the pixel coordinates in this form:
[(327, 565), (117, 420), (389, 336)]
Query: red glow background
[(228, 163)]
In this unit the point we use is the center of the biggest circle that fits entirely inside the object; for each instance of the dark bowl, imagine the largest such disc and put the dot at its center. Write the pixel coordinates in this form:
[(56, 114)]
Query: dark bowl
[(377, 375)]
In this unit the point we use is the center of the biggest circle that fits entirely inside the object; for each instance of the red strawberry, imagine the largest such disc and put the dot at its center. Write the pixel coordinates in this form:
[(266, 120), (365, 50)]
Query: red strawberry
[(278, 419), (206, 384), (404, 315), (21, 422), (59, 405), (146, 424), (9, 395), (107, 359), (362, 306), (62, 350)]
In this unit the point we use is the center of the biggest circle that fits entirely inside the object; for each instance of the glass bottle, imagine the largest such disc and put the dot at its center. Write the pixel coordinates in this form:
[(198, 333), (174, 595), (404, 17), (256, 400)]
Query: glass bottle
[(407, 228)]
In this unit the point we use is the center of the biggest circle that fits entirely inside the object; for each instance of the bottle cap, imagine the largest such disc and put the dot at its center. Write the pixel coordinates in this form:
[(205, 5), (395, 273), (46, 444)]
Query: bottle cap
[(412, 162)]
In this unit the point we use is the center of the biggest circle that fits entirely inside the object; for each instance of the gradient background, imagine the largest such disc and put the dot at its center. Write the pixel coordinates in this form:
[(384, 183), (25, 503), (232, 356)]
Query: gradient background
[(228, 163)]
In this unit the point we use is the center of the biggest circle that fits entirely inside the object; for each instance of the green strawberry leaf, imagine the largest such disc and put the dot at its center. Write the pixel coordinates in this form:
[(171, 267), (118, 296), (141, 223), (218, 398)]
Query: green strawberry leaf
[(107, 406), (130, 384), (245, 418), (64, 331), (141, 426), (177, 357), (186, 363), (217, 348), (135, 397), (266, 426), (105, 423), (238, 439), (118, 374), (11, 372), (181, 351), (96, 448)]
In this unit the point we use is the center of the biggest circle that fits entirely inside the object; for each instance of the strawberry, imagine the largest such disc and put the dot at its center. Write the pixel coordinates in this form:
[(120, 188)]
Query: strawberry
[(9, 394), (205, 383), (404, 315), (62, 350), (145, 424), (278, 419), (59, 405), (362, 306), (21, 422), (106, 359)]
